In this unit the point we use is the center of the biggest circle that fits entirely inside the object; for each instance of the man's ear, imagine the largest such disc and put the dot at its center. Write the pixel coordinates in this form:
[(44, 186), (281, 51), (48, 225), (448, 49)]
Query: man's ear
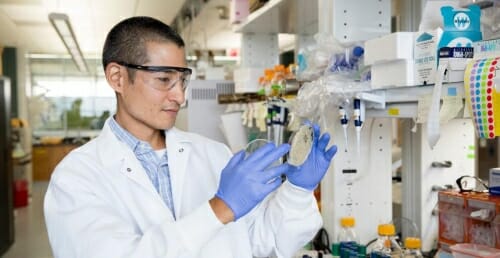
[(116, 75)]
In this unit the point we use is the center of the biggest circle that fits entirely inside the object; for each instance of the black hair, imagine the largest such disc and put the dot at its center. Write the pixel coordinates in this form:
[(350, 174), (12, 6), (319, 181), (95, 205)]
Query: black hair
[(126, 41)]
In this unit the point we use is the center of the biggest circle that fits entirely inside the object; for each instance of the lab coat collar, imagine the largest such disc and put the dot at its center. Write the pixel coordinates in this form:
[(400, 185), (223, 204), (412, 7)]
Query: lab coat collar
[(116, 154), (178, 149)]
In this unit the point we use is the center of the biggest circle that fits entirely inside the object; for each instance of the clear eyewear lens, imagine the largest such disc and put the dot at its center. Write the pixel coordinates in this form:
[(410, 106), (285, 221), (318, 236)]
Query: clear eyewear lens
[(166, 81)]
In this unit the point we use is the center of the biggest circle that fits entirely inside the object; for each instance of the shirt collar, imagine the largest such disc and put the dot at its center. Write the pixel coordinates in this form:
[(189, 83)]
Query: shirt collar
[(137, 146)]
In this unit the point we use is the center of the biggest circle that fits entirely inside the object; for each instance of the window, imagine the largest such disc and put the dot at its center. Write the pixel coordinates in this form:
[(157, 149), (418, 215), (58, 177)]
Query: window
[(70, 103)]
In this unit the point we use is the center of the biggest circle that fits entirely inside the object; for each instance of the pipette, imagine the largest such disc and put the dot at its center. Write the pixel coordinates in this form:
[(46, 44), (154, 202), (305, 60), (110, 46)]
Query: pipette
[(344, 122), (269, 121), (358, 123)]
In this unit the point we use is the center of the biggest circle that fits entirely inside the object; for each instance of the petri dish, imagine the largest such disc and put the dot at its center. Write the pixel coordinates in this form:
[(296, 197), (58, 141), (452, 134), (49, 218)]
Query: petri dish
[(301, 143), (255, 144)]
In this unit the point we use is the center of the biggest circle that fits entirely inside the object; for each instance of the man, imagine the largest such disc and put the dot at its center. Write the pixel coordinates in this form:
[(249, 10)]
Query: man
[(145, 189)]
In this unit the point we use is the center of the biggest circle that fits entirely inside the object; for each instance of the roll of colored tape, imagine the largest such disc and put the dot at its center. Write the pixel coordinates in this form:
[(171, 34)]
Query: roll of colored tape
[(482, 95)]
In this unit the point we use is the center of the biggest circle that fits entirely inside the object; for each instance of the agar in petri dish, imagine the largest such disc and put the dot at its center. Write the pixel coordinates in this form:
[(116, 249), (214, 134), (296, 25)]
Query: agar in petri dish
[(301, 144)]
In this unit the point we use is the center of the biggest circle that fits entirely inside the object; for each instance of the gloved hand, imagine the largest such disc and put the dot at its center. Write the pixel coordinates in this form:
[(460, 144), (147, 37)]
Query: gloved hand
[(246, 182), (309, 174)]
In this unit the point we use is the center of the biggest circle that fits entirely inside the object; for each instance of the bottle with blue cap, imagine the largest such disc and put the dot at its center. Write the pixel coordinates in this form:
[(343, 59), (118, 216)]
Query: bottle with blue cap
[(349, 60)]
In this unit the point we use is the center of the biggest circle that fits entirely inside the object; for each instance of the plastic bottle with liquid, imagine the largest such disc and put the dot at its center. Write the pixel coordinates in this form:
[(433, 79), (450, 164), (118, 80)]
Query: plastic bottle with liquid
[(412, 248), (386, 245), (349, 60), (347, 238)]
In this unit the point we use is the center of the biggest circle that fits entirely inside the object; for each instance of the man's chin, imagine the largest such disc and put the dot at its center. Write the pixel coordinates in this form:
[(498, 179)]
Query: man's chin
[(166, 126)]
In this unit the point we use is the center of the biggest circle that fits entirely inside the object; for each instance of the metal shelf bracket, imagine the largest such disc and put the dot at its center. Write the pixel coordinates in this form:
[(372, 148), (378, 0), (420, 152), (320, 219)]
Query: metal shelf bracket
[(374, 100)]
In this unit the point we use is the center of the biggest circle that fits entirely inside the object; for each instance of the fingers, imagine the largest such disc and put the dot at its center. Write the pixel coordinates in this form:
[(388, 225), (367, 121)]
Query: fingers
[(316, 134), (331, 152), (260, 162), (271, 186), (323, 141), (237, 158), (261, 152), (316, 131), (275, 172)]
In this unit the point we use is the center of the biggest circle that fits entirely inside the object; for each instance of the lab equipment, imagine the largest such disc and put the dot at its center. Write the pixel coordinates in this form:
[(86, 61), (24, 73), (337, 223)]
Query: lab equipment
[(344, 122), (358, 123), (202, 115), (390, 47), (347, 238), (254, 145), (386, 245), (348, 60), (309, 174), (280, 114), (412, 248), (276, 119), (244, 184)]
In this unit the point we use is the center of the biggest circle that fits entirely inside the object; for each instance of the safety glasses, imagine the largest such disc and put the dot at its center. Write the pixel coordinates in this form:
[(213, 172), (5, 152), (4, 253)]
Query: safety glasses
[(471, 184), (166, 77)]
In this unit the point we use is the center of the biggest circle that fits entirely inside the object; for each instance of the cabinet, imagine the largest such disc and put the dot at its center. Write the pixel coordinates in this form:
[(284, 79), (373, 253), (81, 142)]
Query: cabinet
[(46, 158)]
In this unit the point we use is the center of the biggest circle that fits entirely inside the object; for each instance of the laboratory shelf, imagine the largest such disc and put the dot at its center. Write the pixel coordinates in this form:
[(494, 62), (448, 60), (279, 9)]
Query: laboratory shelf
[(400, 102), (414, 93), (282, 16)]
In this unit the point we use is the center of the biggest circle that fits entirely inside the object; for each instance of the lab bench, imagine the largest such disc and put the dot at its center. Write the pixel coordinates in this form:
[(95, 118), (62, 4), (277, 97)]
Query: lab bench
[(46, 157)]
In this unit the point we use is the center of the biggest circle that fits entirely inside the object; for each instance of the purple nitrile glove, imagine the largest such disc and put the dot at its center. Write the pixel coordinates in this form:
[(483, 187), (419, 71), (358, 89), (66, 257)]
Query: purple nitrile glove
[(309, 174), (246, 182)]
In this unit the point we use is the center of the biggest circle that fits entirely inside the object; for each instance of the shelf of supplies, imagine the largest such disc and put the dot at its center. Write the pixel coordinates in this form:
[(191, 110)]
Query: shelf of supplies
[(240, 98), (413, 94), (402, 102), (282, 16)]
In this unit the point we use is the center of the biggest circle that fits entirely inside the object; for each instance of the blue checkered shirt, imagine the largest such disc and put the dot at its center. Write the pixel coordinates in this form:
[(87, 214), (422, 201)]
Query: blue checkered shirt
[(156, 168)]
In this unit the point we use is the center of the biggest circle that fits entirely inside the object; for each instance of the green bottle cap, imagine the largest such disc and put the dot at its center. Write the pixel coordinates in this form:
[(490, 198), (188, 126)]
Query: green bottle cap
[(361, 249), (336, 249)]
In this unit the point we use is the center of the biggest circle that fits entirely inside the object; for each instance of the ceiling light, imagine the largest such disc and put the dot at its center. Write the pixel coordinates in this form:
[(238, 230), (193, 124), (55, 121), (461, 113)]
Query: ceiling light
[(61, 23)]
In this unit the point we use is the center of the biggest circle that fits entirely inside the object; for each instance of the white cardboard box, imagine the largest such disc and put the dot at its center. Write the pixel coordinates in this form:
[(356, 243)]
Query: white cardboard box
[(396, 73), (455, 59), (390, 47), (455, 69), (425, 54)]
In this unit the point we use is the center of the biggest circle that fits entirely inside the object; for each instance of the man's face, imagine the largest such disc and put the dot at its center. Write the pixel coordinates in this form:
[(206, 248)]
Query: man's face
[(147, 103)]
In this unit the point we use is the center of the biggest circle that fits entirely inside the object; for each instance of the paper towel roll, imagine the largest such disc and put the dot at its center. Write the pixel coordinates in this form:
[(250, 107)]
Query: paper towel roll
[(234, 131)]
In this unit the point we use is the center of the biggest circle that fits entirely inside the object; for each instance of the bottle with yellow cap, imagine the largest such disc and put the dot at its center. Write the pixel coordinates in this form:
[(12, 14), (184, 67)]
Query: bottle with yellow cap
[(386, 245), (347, 238), (412, 248)]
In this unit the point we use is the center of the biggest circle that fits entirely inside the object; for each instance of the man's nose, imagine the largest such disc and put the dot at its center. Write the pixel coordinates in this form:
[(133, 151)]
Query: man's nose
[(177, 92)]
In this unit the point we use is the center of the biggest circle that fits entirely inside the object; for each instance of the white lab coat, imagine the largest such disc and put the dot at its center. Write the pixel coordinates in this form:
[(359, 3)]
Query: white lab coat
[(101, 203)]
